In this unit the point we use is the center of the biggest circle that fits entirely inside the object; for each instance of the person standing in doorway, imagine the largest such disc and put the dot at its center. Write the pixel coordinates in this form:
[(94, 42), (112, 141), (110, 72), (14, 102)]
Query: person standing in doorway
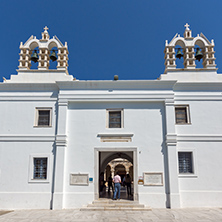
[(101, 182), (110, 184), (128, 184), (117, 185)]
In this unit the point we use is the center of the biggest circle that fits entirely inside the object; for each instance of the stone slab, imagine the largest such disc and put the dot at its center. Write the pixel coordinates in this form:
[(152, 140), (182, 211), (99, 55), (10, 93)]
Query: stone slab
[(157, 215)]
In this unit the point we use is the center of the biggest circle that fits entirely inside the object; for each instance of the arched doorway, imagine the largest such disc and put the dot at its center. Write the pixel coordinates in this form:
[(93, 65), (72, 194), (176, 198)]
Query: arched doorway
[(108, 161), (120, 168)]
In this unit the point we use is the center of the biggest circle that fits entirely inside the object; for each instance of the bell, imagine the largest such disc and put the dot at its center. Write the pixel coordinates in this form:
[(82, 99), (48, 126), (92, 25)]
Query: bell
[(179, 54), (53, 56), (34, 56), (198, 55)]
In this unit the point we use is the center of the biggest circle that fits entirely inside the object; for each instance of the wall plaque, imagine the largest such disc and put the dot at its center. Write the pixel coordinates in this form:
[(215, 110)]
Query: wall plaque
[(153, 179), (79, 179)]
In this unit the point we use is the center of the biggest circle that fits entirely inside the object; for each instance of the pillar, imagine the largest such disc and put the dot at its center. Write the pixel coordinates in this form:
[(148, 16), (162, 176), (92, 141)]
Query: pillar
[(171, 144), (112, 172), (60, 146)]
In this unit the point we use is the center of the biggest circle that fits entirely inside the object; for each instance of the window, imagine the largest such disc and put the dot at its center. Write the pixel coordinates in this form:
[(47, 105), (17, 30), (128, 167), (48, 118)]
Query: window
[(40, 168), (185, 160), (182, 114), (39, 171), (115, 119), (43, 117)]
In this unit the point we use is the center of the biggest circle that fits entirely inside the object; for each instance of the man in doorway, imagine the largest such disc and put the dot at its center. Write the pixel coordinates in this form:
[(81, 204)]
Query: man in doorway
[(128, 184), (110, 184), (117, 185)]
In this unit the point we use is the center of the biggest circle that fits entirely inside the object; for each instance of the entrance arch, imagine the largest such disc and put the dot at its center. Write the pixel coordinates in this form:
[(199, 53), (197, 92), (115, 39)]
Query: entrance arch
[(120, 168), (123, 166), (104, 155), (116, 155)]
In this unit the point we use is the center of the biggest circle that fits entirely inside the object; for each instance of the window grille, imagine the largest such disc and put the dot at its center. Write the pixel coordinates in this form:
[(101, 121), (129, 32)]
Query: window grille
[(114, 119), (40, 168), (44, 117), (181, 115), (185, 162)]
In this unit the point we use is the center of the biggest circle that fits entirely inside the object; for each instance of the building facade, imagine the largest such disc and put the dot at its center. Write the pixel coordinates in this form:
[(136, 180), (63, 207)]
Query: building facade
[(58, 134)]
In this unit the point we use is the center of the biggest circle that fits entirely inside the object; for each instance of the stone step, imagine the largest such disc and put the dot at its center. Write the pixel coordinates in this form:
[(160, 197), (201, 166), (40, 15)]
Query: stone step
[(115, 209), (115, 202), (115, 205), (112, 205)]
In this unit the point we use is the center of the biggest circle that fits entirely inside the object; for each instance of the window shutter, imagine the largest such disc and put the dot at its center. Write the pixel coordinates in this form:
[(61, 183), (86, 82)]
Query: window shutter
[(185, 162), (44, 118), (181, 114), (40, 168), (115, 119)]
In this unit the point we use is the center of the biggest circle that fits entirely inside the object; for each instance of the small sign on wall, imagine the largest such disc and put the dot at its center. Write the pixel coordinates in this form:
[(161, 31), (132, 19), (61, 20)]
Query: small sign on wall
[(140, 180), (153, 179), (79, 179)]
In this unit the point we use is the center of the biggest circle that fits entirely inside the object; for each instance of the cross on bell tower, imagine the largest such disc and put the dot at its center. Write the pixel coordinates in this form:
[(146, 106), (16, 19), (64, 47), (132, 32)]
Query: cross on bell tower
[(187, 34), (45, 34)]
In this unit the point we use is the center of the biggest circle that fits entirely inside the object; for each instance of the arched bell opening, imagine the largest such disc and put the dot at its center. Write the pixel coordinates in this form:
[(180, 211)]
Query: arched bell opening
[(53, 58), (179, 55), (53, 55), (34, 57), (199, 55)]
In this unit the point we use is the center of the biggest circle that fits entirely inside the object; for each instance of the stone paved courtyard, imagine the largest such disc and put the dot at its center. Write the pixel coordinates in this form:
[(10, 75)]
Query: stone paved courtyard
[(158, 215)]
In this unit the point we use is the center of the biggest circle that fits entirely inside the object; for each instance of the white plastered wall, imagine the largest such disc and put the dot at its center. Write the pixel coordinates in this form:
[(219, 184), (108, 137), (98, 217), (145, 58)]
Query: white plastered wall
[(86, 120)]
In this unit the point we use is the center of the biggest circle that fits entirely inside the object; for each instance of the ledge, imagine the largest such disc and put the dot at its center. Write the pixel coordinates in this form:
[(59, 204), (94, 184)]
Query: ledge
[(27, 138), (187, 175), (115, 134), (115, 137)]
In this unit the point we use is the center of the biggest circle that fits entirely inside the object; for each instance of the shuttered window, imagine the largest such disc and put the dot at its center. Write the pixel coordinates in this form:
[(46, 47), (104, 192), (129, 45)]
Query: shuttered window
[(115, 119), (181, 113), (44, 118), (40, 168), (185, 162)]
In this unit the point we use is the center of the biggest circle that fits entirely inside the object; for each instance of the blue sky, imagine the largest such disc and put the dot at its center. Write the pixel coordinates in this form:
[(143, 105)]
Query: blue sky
[(108, 37)]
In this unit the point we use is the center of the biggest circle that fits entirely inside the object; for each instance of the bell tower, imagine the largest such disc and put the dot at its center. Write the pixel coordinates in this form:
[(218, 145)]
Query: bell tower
[(191, 50), (45, 52)]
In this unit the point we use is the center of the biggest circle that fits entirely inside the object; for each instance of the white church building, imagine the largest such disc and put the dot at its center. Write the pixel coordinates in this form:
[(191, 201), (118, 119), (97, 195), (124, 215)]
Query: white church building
[(58, 133)]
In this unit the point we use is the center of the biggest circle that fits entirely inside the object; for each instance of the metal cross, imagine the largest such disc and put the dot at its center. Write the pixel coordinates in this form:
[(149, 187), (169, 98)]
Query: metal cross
[(187, 26), (46, 28)]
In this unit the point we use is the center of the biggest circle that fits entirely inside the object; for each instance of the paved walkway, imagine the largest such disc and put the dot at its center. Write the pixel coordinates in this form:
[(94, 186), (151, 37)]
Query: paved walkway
[(157, 215)]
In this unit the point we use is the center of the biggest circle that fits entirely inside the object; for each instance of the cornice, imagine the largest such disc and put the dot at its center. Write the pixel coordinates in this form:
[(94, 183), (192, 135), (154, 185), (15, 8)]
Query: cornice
[(27, 87), (198, 97), (26, 138), (199, 138), (30, 98), (116, 96), (197, 86), (115, 85)]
